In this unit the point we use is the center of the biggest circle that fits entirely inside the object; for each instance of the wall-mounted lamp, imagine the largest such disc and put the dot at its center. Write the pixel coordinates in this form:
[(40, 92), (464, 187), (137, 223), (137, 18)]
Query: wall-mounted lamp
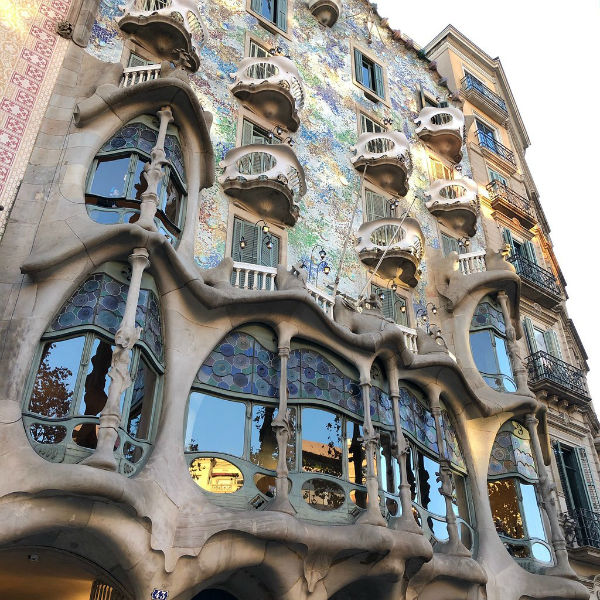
[(423, 314), (321, 265)]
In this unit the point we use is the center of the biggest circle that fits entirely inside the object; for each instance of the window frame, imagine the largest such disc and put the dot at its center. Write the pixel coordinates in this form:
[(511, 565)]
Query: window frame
[(269, 25), (369, 93), (368, 116)]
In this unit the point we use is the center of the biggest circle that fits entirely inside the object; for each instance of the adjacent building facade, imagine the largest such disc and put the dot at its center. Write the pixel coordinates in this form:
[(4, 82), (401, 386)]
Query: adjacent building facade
[(281, 317)]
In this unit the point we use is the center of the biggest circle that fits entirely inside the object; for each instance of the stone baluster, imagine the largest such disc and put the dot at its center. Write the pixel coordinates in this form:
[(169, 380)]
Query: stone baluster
[(454, 544), (550, 504), (406, 521), (514, 353), (125, 338), (283, 432), (153, 172), (370, 442)]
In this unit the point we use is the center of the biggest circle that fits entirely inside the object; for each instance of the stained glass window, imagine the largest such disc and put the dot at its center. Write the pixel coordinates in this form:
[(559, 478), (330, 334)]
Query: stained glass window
[(241, 364), (451, 446), (417, 421), (100, 301), (487, 314), (511, 453)]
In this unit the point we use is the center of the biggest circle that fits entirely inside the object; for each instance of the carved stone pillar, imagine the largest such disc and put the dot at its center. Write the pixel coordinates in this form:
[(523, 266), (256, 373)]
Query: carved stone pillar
[(550, 504), (454, 544), (370, 442), (514, 352), (153, 172), (125, 338), (283, 432)]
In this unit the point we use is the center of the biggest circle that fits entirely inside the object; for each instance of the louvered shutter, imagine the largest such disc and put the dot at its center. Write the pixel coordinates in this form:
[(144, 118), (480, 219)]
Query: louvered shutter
[(255, 5), (358, 74), (268, 258), (137, 61), (387, 304), (247, 133), (376, 206), (507, 236), (281, 16), (449, 244), (378, 75), (562, 472), (589, 479), (552, 344), (249, 232), (530, 252), (530, 335)]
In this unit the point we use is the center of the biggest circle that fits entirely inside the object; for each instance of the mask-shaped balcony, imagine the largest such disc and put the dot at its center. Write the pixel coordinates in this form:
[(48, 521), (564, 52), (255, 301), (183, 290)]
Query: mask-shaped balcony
[(271, 86), (266, 179), (454, 204), (403, 249), (386, 158), (442, 129), (325, 11), (169, 29)]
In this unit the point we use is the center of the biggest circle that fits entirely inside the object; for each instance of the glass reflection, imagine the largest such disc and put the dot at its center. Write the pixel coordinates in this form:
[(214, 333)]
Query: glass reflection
[(110, 177), (215, 424), (541, 552), (140, 410), (265, 484), (321, 442), (533, 516), (357, 460), (390, 470), (54, 384), (264, 450), (429, 492), (216, 475), (323, 494), (505, 508)]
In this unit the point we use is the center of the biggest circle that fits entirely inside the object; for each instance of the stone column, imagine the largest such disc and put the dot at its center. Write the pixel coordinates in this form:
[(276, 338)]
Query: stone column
[(454, 544), (153, 172), (283, 432), (514, 353), (125, 338), (550, 504), (370, 442)]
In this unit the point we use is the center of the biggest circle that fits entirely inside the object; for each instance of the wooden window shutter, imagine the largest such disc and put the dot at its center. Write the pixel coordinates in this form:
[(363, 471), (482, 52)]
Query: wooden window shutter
[(552, 344), (249, 232), (376, 206), (378, 76), (589, 479), (449, 244), (255, 6), (268, 258), (507, 235), (247, 133), (530, 335), (358, 65), (530, 252), (281, 16)]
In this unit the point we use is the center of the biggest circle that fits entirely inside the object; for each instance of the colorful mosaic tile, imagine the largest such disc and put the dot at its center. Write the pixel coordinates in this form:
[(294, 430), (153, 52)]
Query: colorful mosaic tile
[(512, 453), (417, 421)]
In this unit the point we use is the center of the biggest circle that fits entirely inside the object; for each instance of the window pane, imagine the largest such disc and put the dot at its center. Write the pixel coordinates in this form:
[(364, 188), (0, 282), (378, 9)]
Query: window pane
[(430, 496), (110, 178), (504, 365), (267, 9), (390, 470), (56, 377), (357, 461), (142, 402), (321, 442), (264, 450), (172, 202), (483, 352), (140, 185), (215, 424), (505, 508), (97, 380), (540, 340), (533, 517)]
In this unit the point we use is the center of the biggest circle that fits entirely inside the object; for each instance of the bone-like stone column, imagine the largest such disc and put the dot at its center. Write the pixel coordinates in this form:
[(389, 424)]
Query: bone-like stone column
[(283, 432), (550, 504), (370, 441), (513, 347), (153, 172), (125, 338), (454, 544)]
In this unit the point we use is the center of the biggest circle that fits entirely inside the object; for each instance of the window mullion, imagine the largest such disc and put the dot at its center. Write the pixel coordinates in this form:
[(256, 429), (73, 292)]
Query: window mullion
[(247, 431), (133, 161), (81, 375), (135, 357)]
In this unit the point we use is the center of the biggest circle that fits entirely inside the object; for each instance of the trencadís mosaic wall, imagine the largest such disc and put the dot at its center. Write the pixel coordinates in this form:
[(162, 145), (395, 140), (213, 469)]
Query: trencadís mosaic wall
[(328, 122)]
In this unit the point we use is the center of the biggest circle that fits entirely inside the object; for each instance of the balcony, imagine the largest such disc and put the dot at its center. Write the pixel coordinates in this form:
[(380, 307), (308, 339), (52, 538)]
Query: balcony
[(272, 87), (582, 534), (496, 151), (326, 12), (511, 204), (556, 377), (399, 248), (442, 129), (481, 96), (454, 204), (172, 30), (385, 159), (538, 284), (136, 75), (266, 179)]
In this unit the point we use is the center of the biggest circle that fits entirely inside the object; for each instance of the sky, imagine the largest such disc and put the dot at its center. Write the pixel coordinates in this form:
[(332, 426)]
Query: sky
[(550, 52)]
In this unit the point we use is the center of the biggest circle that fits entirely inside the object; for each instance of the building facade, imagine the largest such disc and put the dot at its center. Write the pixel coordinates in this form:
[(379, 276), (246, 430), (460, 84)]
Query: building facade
[(282, 318)]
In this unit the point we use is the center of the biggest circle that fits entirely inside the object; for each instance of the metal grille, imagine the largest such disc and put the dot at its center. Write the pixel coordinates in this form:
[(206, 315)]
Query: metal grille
[(533, 273), (582, 528), (472, 83), (542, 365), (489, 142), (499, 190)]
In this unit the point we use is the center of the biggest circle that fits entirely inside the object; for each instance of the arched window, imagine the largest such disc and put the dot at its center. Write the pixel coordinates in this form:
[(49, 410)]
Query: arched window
[(232, 450), (488, 346), (512, 477), (69, 386), (116, 183)]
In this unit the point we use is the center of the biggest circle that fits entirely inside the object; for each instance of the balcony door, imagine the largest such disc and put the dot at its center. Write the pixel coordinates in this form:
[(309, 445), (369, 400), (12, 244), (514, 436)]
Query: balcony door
[(487, 136), (251, 245), (540, 340)]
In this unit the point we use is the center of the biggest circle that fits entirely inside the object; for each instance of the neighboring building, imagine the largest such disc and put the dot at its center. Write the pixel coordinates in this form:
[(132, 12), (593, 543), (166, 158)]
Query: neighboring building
[(281, 316)]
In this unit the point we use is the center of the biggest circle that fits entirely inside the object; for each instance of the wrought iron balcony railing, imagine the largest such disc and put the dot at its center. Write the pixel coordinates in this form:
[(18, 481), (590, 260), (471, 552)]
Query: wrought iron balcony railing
[(472, 83), (534, 274), (582, 528), (499, 190), (489, 142), (542, 365)]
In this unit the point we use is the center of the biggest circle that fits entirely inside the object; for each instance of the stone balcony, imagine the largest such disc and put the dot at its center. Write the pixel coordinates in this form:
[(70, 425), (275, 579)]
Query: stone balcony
[(481, 96), (170, 29), (453, 202), (386, 158), (537, 283), (442, 129), (326, 12), (266, 179), (511, 204), (400, 252), (272, 87)]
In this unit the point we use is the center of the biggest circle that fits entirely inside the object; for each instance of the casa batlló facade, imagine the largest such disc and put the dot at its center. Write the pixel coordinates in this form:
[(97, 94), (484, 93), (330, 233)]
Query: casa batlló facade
[(281, 317)]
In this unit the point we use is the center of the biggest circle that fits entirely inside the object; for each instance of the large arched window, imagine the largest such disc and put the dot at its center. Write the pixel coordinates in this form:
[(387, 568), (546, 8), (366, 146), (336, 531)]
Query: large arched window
[(69, 386), (232, 451), (116, 183), (512, 478), (488, 346)]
